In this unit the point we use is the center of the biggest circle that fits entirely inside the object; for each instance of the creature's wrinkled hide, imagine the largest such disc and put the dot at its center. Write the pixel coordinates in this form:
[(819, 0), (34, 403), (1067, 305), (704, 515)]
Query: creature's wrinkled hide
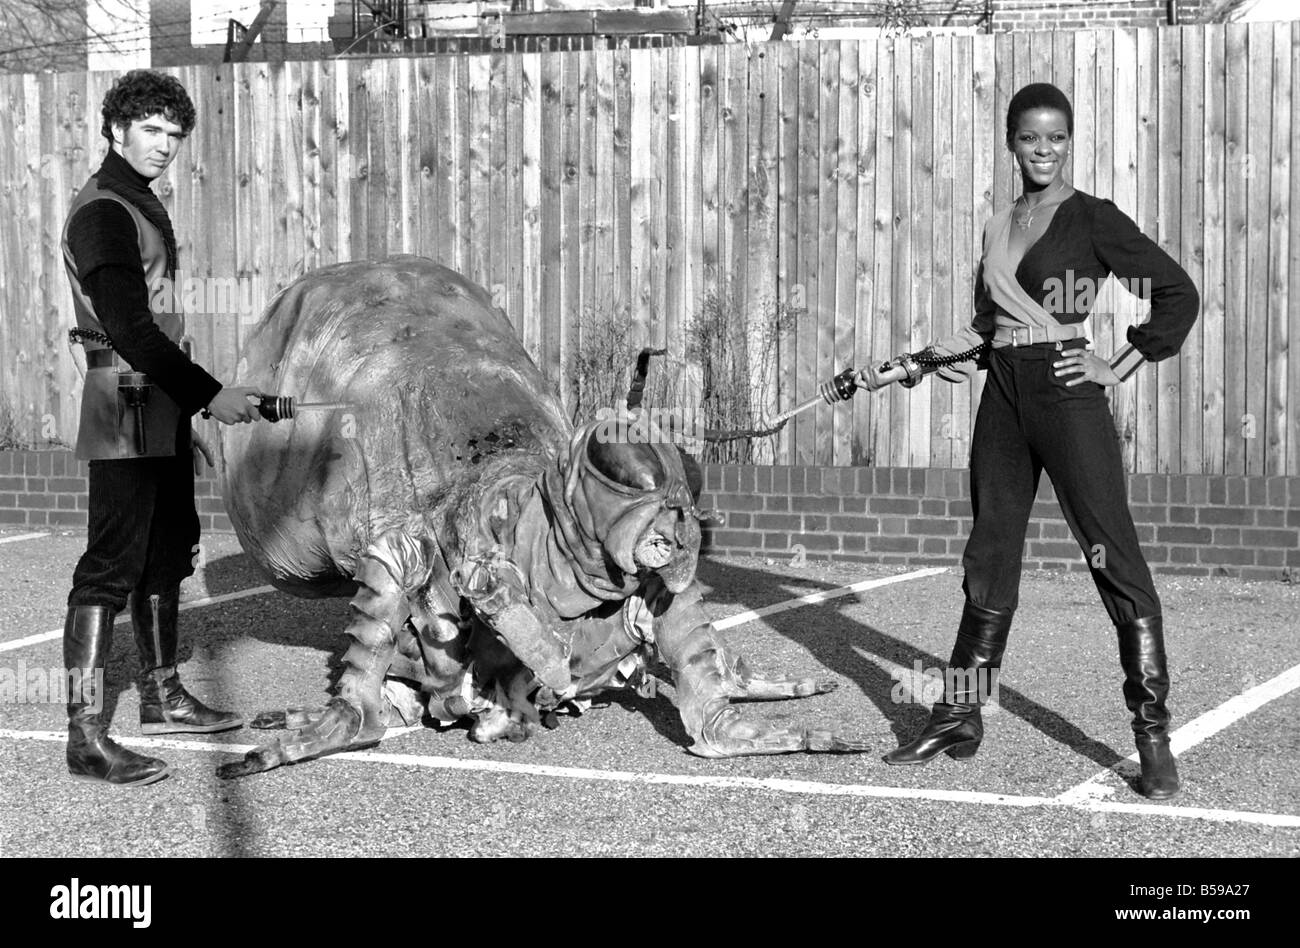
[(440, 384)]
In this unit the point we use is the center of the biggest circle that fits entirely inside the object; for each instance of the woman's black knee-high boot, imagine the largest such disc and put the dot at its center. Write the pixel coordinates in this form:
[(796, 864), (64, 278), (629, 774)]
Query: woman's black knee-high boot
[(1146, 686), (955, 726)]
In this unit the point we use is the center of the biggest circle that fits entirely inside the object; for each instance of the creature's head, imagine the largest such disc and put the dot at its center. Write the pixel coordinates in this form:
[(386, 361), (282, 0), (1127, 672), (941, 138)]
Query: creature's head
[(630, 491)]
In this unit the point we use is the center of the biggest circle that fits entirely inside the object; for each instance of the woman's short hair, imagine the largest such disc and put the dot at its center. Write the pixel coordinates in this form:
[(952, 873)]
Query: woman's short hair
[(143, 92), (1037, 95)]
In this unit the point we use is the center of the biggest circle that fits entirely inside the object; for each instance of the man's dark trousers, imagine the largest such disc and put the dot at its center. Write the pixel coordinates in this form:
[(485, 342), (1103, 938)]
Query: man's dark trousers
[(143, 530)]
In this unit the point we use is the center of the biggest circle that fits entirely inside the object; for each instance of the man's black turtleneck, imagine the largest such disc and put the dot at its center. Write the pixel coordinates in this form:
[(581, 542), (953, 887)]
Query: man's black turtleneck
[(104, 243)]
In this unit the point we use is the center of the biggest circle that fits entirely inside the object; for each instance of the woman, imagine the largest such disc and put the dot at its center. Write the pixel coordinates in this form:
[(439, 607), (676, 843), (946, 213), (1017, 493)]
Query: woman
[(1044, 408)]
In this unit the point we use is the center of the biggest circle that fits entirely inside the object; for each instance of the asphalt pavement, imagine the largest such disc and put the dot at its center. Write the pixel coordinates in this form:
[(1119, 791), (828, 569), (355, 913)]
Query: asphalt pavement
[(619, 779)]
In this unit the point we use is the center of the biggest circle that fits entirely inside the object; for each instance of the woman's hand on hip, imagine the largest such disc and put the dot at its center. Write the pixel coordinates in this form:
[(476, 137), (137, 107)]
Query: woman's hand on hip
[(1083, 366)]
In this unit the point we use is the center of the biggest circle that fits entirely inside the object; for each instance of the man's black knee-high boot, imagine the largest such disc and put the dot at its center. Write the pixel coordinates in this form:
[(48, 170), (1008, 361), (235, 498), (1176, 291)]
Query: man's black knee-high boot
[(165, 706), (955, 726), (1146, 686), (92, 755)]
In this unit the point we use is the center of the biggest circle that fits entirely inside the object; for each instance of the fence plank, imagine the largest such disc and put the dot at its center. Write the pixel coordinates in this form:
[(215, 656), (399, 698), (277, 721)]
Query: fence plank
[(656, 288), (510, 120), (1214, 196), (1146, 213), (942, 313), (806, 247), (761, 267), (336, 203), (552, 251), (1124, 192), (12, 374), (1253, 366), (408, 128), (789, 290), (28, 355), (359, 159), (569, 315), (56, 167), (1239, 163), (310, 146), (641, 196), (588, 185), (478, 132), (921, 210), (845, 230), (905, 233), (497, 213), (623, 121), (1292, 315), (989, 140), (1103, 153), (286, 165), (675, 173), (965, 248), (692, 179), (1191, 251), (1274, 345), (530, 197), (879, 450), (824, 238), (865, 232), (1167, 164)]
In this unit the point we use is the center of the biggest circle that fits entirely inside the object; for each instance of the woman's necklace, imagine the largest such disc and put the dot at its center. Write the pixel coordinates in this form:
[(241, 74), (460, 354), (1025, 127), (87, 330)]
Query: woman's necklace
[(1027, 220)]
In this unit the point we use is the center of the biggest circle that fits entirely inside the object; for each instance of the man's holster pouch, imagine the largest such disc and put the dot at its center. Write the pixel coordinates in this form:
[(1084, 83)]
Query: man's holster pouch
[(123, 414)]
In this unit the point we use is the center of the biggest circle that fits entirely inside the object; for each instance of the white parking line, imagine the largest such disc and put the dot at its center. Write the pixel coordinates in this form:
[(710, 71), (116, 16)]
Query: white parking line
[(770, 785), (125, 616), (1193, 732), (725, 623), (23, 536), (742, 617)]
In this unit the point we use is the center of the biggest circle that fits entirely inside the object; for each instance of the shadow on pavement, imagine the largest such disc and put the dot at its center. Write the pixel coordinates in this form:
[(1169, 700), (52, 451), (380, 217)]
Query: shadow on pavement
[(832, 644)]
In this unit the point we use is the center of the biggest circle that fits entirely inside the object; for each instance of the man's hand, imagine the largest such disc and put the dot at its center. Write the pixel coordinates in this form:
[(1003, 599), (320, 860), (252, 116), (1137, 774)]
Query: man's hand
[(232, 405), (201, 452), (872, 379), (1085, 367)]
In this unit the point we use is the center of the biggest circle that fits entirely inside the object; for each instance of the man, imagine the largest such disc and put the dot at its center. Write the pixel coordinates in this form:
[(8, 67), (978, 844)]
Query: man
[(140, 391)]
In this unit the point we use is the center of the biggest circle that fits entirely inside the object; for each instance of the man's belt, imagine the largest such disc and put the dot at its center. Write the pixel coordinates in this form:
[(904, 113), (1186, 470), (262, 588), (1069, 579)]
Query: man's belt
[(1029, 335)]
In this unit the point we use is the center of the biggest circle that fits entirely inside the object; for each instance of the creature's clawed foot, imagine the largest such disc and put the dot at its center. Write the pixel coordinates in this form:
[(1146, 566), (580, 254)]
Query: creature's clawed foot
[(731, 734), (807, 687), (821, 741), (777, 689), (291, 718), (329, 732)]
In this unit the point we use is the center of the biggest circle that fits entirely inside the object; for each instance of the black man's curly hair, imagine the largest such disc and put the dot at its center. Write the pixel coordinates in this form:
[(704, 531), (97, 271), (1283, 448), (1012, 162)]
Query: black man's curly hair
[(143, 92)]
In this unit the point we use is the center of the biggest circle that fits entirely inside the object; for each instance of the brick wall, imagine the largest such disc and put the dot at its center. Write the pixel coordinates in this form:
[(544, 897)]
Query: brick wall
[(48, 489), (1201, 525), (1089, 14), (1247, 527)]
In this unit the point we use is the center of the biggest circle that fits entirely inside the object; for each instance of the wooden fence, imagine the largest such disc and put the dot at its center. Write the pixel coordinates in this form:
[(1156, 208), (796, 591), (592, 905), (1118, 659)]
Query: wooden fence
[(848, 181)]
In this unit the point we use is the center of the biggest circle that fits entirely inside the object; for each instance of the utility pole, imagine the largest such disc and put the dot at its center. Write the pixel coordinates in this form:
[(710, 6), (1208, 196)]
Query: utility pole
[(235, 52)]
